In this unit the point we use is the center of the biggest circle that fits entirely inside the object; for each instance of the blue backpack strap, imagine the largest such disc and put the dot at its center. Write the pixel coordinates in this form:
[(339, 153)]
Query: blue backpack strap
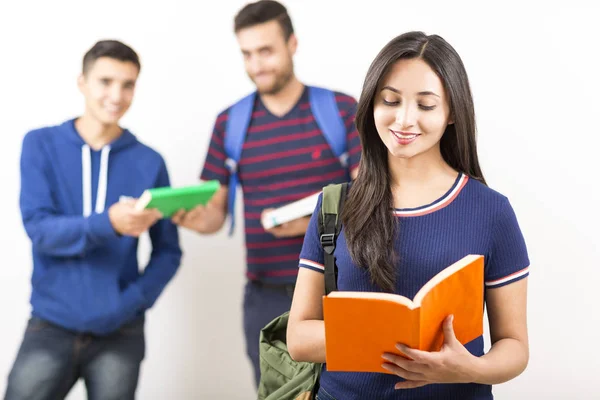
[(327, 116), (238, 120)]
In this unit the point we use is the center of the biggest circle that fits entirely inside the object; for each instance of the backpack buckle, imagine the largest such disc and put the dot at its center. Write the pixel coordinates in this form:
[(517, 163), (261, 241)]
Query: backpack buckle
[(344, 160), (328, 242), (231, 165)]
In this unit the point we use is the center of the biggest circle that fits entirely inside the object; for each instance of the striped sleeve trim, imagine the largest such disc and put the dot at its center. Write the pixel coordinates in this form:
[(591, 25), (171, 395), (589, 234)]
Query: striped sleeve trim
[(508, 279), (312, 265)]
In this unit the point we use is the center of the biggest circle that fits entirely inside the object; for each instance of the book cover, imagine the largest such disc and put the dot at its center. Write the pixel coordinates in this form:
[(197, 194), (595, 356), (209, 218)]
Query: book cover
[(297, 209), (169, 200), (361, 326)]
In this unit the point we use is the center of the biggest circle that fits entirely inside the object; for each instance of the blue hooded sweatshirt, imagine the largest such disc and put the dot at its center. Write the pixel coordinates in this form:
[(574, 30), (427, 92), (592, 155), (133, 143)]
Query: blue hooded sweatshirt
[(86, 277)]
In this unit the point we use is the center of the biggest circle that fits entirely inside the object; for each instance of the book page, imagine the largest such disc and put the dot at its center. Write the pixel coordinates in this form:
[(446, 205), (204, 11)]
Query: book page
[(391, 297), (289, 212)]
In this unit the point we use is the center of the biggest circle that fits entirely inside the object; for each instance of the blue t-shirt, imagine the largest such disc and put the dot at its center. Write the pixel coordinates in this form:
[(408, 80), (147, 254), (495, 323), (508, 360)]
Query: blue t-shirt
[(469, 219)]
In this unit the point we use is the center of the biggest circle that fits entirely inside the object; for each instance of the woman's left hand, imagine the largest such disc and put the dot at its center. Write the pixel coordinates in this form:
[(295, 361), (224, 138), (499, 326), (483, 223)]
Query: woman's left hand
[(452, 364)]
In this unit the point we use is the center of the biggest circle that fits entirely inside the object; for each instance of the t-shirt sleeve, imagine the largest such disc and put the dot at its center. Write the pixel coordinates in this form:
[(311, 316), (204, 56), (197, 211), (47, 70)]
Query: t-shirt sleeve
[(347, 106), (214, 163), (507, 261), (311, 256)]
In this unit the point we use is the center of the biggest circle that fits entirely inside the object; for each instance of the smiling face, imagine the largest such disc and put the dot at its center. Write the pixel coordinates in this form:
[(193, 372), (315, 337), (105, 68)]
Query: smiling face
[(411, 110), (267, 56), (108, 87)]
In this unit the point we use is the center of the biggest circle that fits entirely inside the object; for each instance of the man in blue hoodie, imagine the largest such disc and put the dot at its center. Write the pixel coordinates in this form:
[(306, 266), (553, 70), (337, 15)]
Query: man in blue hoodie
[(88, 295)]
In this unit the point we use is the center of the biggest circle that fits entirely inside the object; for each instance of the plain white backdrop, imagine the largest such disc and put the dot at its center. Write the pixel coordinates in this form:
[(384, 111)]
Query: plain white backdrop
[(534, 74)]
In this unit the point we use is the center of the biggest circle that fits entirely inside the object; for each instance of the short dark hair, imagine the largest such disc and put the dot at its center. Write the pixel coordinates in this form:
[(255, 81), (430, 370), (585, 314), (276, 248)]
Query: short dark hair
[(111, 49), (264, 11)]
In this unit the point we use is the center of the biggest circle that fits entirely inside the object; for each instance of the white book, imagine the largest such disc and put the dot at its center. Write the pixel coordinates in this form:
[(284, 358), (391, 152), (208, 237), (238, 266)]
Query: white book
[(289, 212)]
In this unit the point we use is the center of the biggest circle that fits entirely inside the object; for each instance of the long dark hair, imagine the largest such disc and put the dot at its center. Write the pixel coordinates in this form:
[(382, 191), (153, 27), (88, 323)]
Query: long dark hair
[(369, 225)]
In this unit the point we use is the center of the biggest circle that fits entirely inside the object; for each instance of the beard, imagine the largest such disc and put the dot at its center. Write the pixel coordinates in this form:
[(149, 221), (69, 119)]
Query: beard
[(281, 80)]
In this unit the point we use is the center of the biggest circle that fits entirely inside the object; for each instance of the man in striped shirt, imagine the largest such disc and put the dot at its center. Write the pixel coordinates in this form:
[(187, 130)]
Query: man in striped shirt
[(285, 157)]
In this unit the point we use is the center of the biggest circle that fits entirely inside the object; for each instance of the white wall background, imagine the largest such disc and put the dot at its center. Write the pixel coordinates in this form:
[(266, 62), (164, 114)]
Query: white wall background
[(534, 74)]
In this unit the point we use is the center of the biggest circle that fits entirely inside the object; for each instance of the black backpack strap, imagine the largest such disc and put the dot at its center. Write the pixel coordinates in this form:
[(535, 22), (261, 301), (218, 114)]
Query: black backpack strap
[(330, 225)]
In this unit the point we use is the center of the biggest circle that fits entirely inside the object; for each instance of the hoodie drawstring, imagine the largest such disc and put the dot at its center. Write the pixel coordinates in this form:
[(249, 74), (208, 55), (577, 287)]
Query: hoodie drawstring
[(86, 174)]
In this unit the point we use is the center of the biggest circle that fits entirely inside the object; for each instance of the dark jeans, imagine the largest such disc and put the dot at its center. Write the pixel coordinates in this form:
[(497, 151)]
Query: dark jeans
[(262, 304), (51, 359), (323, 395)]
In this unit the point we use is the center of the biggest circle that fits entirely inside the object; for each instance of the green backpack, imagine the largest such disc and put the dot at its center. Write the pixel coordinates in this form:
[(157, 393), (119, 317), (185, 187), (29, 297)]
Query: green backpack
[(282, 378)]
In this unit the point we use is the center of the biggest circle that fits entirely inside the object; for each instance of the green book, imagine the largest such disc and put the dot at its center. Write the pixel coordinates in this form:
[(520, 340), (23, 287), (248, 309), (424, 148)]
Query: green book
[(169, 200)]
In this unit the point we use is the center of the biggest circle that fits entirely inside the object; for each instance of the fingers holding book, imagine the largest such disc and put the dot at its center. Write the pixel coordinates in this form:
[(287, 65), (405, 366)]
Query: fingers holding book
[(207, 218), (452, 364), (292, 228), (192, 219), (128, 221)]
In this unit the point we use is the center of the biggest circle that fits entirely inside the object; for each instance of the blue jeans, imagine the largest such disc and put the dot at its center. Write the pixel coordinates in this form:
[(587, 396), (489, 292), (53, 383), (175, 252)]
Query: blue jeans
[(51, 359), (262, 304)]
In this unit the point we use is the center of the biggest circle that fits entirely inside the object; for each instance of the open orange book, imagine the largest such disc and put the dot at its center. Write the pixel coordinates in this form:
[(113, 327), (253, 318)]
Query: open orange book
[(361, 326)]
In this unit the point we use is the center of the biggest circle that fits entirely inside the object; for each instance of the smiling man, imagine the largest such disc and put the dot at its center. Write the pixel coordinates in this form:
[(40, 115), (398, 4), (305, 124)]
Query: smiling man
[(284, 151), (88, 296)]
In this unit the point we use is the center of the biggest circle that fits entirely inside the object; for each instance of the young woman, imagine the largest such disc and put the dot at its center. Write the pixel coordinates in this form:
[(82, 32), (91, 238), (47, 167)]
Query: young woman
[(419, 204)]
